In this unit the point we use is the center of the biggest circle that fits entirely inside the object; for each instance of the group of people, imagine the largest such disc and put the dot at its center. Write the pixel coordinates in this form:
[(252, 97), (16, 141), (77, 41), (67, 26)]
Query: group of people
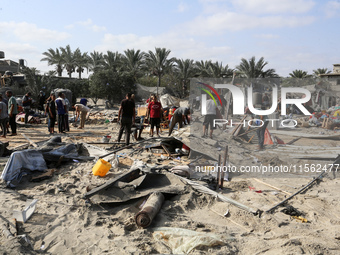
[(58, 110), (8, 113), (154, 116)]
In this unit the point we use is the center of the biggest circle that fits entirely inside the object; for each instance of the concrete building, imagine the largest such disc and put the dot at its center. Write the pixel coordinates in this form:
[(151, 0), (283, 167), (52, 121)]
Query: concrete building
[(334, 77)]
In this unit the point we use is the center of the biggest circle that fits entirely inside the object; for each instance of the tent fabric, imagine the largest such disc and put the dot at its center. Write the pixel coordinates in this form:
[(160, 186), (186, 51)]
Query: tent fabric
[(21, 161), (167, 101), (144, 92)]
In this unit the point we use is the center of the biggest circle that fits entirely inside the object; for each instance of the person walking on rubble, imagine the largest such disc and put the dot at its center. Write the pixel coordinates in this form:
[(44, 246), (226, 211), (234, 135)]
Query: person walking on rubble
[(126, 117), (3, 117), (155, 111), (209, 117), (12, 112), (180, 116), (81, 111)]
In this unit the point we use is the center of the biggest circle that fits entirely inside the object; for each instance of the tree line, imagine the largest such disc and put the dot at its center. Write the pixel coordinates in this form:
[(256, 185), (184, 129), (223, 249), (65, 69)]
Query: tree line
[(114, 73)]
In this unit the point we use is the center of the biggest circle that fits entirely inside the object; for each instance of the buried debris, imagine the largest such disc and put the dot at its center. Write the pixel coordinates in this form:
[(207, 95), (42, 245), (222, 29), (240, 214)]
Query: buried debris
[(336, 163), (183, 241), (24, 215), (149, 210)]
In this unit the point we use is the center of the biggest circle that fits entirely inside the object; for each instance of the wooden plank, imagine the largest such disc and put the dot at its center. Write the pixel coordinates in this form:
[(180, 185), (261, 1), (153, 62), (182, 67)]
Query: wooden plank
[(269, 185), (238, 127), (30, 141)]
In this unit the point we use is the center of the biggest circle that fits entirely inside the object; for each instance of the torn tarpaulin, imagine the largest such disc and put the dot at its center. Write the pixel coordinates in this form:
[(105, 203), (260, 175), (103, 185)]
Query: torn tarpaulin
[(69, 151), (21, 162)]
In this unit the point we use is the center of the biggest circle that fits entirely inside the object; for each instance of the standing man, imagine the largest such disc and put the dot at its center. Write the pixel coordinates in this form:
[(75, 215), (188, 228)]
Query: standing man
[(67, 107), (209, 118), (52, 113), (42, 99), (3, 117), (26, 104), (127, 115), (81, 110), (12, 112), (155, 112), (61, 108)]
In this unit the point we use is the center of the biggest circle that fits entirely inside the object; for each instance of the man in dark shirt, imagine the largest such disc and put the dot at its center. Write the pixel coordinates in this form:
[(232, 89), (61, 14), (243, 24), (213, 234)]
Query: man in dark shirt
[(126, 117), (26, 104)]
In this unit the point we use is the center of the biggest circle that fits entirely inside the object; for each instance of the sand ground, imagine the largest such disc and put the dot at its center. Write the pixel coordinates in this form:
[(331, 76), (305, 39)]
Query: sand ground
[(65, 223)]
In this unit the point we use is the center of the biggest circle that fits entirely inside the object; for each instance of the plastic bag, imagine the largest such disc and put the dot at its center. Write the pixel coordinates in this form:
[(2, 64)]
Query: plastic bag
[(182, 240)]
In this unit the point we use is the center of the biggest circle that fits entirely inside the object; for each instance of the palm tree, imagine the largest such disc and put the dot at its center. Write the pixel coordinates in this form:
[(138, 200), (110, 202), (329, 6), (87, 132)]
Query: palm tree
[(96, 61), (134, 62), (218, 70), (81, 61), (251, 69), (203, 68), (113, 61), (54, 57), (299, 74), (320, 71), (68, 60), (158, 63), (185, 69)]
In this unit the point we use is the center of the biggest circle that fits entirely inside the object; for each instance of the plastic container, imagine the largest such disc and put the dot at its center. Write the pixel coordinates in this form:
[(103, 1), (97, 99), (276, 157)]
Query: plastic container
[(101, 167)]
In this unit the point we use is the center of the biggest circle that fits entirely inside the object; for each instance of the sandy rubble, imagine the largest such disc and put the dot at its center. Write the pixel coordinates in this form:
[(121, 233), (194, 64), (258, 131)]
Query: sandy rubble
[(65, 223)]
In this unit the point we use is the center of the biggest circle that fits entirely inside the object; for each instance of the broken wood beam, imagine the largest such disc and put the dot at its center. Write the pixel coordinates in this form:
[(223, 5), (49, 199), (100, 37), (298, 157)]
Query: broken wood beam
[(30, 141), (218, 176), (294, 140), (271, 186), (224, 164), (166, 150)]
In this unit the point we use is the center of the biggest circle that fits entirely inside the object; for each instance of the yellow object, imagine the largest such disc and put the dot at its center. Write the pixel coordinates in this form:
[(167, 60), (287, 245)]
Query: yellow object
[(303, 220), (101, 167)]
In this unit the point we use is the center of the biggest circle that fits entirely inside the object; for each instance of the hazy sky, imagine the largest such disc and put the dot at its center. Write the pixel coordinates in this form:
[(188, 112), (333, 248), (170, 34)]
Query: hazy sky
[(289, 34)]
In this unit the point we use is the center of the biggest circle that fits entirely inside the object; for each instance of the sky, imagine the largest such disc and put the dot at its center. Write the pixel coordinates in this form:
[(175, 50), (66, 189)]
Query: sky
[(289, 34)]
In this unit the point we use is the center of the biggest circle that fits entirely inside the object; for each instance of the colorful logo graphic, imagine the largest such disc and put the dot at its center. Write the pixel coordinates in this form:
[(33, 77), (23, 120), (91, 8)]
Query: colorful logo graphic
[(209, 93)]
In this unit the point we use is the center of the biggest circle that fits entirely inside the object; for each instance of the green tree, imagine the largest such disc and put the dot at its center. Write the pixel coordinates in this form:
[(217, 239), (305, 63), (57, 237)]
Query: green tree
[(110, 85), (217, 70), (251, 69), (203, 68), (68, 60), (185, 69), (81, 61), (134, 62), (113, 61), (54, 57), (158, 63), (96, 61), (33, 79), (299, 74), (320, 71)]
